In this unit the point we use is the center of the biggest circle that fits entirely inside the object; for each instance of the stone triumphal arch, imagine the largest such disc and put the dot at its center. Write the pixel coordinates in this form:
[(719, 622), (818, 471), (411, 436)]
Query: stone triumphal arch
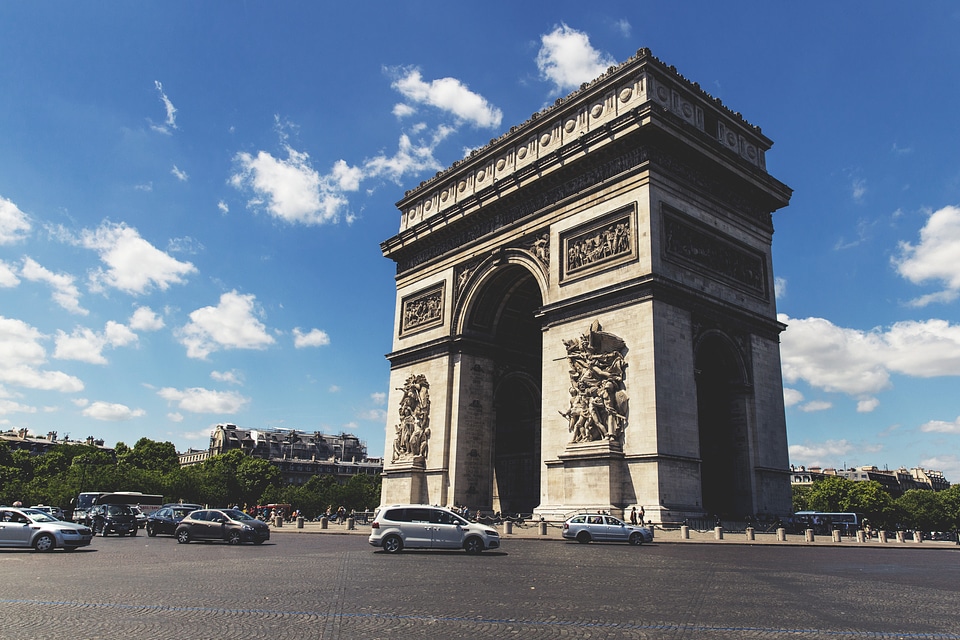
[(585, 316)]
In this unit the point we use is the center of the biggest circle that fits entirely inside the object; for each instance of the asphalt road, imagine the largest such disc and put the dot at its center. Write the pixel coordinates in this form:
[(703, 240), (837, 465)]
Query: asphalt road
[(337, 586)]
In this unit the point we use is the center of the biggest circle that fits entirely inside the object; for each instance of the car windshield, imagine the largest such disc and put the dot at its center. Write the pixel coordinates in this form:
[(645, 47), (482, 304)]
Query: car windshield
[(236, 514), (179, 513), (39, 516), (118, 510)]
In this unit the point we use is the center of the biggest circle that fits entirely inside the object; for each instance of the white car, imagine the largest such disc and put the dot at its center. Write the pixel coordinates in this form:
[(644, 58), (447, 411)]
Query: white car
[(421, 526), (38, 529), (56, 512)]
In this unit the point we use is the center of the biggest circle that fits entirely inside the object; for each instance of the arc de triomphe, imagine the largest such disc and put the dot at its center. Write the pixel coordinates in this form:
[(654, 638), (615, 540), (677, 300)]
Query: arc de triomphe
[(585, 314)]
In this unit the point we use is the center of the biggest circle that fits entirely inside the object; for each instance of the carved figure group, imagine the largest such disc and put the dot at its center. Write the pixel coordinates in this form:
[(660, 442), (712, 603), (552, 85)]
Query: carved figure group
[(413, 431), (422, 310), (604, 243), (598, 400)]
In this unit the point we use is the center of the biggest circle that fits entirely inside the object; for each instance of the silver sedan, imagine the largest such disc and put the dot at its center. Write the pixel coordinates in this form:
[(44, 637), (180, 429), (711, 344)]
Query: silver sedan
[(590, 527), (38, 529)]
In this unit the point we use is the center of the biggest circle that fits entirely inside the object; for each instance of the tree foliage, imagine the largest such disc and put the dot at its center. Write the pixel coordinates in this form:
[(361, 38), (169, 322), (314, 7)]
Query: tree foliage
[(233, 478)]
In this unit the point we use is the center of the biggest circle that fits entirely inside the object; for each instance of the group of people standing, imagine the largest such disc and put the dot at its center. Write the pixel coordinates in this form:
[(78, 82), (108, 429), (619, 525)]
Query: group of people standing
[(636, 517)]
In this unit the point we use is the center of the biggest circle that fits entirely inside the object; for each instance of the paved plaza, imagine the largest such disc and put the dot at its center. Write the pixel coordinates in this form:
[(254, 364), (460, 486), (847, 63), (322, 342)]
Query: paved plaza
[(316, 583)]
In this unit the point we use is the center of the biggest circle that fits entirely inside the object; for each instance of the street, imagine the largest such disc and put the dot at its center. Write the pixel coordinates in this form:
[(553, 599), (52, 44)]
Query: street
[(337, 586)]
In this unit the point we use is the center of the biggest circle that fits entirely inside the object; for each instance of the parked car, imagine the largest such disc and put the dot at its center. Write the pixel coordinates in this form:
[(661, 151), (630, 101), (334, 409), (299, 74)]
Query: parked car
[(105, 519), (230, 525), (40, 530), (139, 515), (165, 519), (421, 526), (590, 527), (56, 512)]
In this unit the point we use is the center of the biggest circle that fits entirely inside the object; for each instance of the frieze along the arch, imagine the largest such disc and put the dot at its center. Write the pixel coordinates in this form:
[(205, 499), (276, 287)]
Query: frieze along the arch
[(422, 310)]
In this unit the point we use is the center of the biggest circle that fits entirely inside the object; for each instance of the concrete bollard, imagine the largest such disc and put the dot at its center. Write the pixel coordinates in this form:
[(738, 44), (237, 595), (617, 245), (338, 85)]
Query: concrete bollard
[(299, 522), (543, 528), (918, 536), (781, 535), (324, 522), (899, 536), (718, 533), (836, 535), (808, 535), (508, 526), (351, 523), (882, 536), (860, 536), (750, 534), (685, 532)]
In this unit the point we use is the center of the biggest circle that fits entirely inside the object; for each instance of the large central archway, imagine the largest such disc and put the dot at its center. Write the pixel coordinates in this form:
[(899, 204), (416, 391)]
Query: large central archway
[(504, 315), (724, 445)]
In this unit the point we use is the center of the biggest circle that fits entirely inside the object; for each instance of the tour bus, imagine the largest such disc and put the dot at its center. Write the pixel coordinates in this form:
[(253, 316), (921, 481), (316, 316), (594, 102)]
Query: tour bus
[(147, 502), (823, 522)]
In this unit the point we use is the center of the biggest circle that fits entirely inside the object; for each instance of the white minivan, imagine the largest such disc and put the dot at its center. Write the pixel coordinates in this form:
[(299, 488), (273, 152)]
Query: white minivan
[(422, 526)]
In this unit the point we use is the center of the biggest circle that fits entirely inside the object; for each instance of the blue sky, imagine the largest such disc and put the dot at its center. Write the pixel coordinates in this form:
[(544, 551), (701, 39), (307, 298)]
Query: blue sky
[(192, 198)]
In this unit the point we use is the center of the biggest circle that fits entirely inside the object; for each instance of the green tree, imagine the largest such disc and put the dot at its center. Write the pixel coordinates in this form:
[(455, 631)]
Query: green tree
[(254, 475), (152, 455), (918, 509)]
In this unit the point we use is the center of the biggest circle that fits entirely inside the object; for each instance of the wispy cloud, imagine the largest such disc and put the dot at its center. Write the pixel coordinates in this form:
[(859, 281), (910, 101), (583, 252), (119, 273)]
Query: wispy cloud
[(14, 223), (170, 123)]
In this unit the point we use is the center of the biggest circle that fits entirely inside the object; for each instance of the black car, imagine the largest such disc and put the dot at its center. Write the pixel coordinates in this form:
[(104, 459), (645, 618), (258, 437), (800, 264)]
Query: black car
[(112, 518), (166, 518), (230, 525)]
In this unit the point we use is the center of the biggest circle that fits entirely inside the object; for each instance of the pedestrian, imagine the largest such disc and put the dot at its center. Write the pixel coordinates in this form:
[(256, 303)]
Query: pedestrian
[(640, 514), (633, 516)]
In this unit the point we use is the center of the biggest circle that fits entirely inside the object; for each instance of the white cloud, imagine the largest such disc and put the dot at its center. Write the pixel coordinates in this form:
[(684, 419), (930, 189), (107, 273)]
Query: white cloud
[(373, 415), (175, 417), (179, 174), (86, 345), (230, 325), (22, 354), (816, 405), (9, 406), (171, 120), (791, 397), (200, 400), (867, 405), (823, 454), (624, 27), (403, 110), (567, 59), (133, 265), (8, 277), (935, 258), (14, 224), (291, 189), (144, 319), (859, 189), (450, 95), (222, 206), (780, 288), (230, 377), (409, 157), (313, 338), (112, 412), (378, 397), (939, 426), (65, 292)]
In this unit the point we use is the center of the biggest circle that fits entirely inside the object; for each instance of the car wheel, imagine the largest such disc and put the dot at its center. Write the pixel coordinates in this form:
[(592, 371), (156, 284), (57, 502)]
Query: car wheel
[(151, 531), (392, 544), (233, 537), (183, 536), (44, 542), (583, 537), (473, 544), (636, 538)]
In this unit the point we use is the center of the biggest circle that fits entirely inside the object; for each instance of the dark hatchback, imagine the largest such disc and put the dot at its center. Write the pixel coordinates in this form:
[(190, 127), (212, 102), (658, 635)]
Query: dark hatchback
[(230, 525), (105, 519), (165, 519)]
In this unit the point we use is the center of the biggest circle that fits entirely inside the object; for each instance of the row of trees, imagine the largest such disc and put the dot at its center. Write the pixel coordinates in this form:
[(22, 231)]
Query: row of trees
[(917, 509), (56, 477)]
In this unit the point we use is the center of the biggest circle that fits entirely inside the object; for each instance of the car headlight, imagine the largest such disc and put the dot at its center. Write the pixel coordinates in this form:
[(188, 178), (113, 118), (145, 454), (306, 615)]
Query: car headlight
[(247, 527), (492, 533)]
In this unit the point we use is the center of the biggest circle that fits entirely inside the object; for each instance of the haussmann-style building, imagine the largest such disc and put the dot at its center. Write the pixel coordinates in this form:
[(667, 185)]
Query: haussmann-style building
[(585, 313)]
